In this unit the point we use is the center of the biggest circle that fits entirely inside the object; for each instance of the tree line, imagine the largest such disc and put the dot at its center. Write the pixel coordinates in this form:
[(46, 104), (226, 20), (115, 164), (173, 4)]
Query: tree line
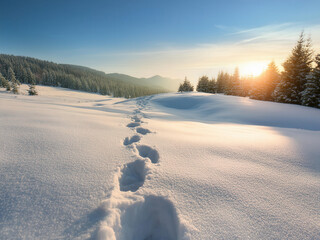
[(17, 69), (298, 83)]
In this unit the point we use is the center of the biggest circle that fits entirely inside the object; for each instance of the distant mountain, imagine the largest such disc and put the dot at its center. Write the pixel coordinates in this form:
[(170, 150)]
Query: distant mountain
[(159, 82)]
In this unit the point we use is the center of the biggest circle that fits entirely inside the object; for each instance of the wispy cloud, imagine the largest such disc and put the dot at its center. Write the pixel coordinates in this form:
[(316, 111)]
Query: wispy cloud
[(265, 29)]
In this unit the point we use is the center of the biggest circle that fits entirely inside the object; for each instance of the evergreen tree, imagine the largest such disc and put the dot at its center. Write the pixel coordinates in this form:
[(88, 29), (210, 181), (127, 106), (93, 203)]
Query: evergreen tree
[(11, 75), (4, 82), (203, 84), (264, 85), (234, 88), (14, 82), (32, 89), (8, 88), (220, 82), (271, 78), (212, 86), (30, 78), (186, 86), (296, 69), (246, 83), (311, 95), (258, 90), (225, 82), (15, 88)]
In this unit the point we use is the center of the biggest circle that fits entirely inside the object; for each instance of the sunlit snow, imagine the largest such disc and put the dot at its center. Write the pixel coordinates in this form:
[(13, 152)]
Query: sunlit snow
[(76, 165)]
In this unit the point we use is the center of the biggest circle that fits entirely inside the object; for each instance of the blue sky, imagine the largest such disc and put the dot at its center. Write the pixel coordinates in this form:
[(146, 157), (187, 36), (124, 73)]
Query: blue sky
[(146, 37)]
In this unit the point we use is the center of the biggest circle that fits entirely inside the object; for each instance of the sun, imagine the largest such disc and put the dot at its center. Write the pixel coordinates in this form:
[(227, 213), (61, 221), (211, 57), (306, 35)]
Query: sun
[(252, 68)]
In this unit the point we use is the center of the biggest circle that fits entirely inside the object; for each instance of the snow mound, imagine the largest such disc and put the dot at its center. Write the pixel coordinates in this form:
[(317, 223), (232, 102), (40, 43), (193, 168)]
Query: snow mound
[(220, 108), (182, 102)]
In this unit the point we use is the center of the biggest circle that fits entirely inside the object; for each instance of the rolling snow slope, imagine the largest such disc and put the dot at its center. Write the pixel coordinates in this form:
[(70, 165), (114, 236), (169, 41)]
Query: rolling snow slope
[(172, 166)]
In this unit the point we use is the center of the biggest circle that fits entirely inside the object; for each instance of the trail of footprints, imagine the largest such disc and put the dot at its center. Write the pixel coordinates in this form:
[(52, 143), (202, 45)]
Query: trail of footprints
[(132, 214), (133, 174)]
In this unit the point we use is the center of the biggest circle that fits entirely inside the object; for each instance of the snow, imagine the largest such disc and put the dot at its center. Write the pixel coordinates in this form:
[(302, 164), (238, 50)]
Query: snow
[(220, 108), (76, 165)]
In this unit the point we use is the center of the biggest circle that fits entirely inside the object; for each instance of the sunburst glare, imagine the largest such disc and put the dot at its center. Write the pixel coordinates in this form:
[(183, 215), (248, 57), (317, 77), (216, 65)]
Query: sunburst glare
[(252, 68)]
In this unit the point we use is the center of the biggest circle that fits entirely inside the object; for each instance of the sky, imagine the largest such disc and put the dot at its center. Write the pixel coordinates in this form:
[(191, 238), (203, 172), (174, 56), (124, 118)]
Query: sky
[(175, 38)]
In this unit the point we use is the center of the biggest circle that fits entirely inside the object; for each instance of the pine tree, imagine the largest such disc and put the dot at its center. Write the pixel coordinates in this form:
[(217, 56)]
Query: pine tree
[(220, 82), (264, 85), (271, 78), (246, 85), (2, 80), (258, 90), (185, 86), (15, 88), (30, 77), (14, 82), (311, 94), (235, 88), (296, 69), (8, 88), (21, 73), (32, 89), (223, 84), (203, 84), (212, 87), (4, 83)]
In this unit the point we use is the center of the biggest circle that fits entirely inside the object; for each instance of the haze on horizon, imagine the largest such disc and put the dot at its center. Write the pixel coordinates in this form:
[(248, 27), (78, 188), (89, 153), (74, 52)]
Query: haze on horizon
[(146, 38)]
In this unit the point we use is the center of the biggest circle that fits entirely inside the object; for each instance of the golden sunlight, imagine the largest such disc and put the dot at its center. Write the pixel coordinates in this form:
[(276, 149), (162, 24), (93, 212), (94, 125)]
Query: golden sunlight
[(252, 68)]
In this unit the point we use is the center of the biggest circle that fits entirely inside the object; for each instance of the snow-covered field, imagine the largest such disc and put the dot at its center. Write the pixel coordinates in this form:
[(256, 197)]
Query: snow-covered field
[(75, 165)]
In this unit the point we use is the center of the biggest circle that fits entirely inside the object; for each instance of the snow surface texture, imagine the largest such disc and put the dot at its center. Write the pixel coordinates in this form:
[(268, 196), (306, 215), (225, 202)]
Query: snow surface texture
[(139, 216), (191, 166)]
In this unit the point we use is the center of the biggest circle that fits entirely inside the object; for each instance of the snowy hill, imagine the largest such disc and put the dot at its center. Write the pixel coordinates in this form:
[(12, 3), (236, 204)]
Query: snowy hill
[(220, 108), (76, 165)]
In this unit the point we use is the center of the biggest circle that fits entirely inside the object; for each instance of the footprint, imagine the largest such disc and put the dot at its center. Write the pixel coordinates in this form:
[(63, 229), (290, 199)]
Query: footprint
[(133, 139), (148, 152), (136, 119), (133, 176), (150, 217), (133, 124), (99, 105), (142, 131)]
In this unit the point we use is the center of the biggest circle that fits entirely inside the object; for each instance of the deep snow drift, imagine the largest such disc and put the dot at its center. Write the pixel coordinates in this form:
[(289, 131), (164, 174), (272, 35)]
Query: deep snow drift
[(172, 166)]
